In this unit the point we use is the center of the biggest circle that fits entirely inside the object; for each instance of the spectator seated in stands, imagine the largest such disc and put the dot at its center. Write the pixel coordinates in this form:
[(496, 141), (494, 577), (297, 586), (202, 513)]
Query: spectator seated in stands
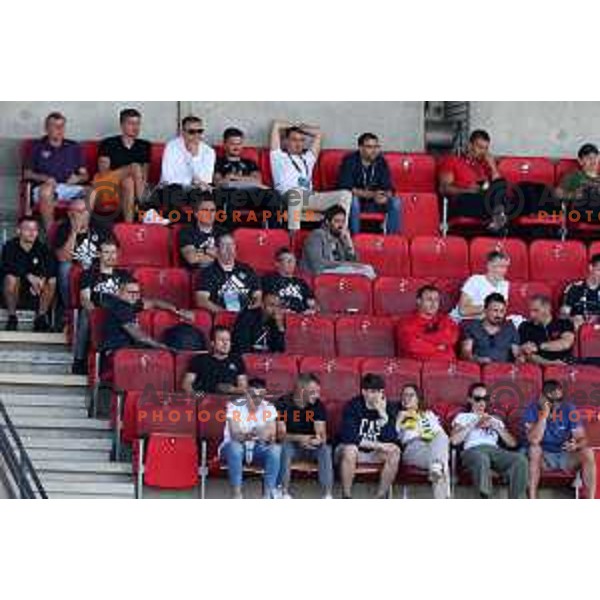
[(293, 292), (239, 183), (555, 439), (228, 284), (428, 334), (369, 435), (100, 280), (260, 329), (121, 327), (544, 339), (292, 169), (329, 249), (581, 300), (187, 170), (78, 240), (29, 272), (123, 162), (302, 431), (251, 438), (197, 241), (56, 168), (423, 439), (472, 184), (478, 287), (478, 432), (367, 175), (581, 189), (220, 372), (493, 338)]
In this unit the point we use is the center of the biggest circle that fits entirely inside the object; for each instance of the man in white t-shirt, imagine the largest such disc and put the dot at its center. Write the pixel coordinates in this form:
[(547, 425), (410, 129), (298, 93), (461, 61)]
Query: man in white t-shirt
[(250, 439), (478, 287), (479, 433), (292, 168)]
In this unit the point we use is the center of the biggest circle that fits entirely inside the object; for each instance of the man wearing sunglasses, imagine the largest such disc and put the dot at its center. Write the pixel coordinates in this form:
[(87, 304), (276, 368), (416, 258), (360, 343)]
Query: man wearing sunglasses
[(367, 175), (479, 433)]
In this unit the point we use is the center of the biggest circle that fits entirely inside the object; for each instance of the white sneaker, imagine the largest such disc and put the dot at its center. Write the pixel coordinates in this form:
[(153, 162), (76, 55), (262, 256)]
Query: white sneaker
[(152, 217), (436, 471), (279, 494), (327, 497)]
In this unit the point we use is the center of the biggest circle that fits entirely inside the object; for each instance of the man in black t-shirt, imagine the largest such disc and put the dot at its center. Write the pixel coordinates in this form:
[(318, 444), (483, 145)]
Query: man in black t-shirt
[(198, 242), (294, 293), (260, 329), (581, 301), (220, 372), (302, 430), (29, 270), (227, 284), (545, 340), (127, 158), (239, 183)]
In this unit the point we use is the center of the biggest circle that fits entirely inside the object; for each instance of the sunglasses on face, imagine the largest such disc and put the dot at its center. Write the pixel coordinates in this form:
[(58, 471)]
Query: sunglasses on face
[(194, 131), (485, 398)]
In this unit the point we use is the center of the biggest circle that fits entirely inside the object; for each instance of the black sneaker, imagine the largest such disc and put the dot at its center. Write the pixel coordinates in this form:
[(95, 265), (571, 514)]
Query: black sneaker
[(41, 324), (79, 367), (12, 323)]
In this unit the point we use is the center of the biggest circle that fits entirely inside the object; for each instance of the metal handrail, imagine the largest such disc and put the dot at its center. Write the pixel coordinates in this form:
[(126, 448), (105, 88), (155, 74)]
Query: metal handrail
[(18, 462)]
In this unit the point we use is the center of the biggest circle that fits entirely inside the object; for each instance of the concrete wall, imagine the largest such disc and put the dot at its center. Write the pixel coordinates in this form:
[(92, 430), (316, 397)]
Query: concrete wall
[(538, 128)]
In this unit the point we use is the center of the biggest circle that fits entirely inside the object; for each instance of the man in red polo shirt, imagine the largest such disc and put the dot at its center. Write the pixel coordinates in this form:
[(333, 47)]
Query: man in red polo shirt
[(428, 334), (467, 179)]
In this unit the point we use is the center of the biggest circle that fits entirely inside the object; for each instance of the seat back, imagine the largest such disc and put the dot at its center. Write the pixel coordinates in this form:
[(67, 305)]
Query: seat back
[(309, 335), (420, 214), (137, 369), (329, 164), (512, 386), (556, 261), (340, 377), (439, 257), (411, 172), (527, 170), (387, 254), (448, 383), (171, 285), (279, 371), (516, 249), (397, 372), (143, 245), (365, 336), (257, 247), (343, 294)]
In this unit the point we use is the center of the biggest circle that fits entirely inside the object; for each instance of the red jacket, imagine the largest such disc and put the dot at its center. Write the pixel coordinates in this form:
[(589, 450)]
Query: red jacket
[(424, 338)]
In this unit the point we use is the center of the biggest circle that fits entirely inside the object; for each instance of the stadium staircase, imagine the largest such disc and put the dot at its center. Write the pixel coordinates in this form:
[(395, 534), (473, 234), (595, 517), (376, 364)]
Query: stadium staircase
[(48, 406)]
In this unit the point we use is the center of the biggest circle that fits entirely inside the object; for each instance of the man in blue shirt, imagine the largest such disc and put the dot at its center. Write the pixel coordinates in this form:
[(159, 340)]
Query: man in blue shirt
[(368, 435), (556, 438), (367, 175)]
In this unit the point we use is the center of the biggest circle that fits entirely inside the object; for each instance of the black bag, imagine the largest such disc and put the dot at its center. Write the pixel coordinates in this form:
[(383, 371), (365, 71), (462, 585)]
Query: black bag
[(184, 337)]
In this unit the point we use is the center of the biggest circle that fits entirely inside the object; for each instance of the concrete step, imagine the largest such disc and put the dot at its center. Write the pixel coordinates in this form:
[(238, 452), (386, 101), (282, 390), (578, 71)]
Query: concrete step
[(25, 317), (29, 337), (42, 379), (43, 400), (74, 496), (57, 477), (61, 434), (54, 412), (46, 454), (65, 443), (71, 424), (53, 361), (87, 467), (52, 486)]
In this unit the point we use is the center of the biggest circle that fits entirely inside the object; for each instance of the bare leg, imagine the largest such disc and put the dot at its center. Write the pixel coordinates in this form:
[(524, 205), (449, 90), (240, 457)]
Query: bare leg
[(588, 465), (11, 293), (47, 296), (391, 457), (47, 203), (139, 181), (348, 469), (536, 456), (128, 198)]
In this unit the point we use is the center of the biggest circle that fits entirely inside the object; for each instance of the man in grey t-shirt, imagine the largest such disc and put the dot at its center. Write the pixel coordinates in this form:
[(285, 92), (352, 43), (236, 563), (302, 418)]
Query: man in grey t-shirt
[(493, 338)]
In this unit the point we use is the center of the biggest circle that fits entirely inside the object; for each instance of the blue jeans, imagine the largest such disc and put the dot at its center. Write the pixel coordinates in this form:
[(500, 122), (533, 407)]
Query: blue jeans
[(291, 451), (393, 217), (268, 456), (82, 338), (64, 270)]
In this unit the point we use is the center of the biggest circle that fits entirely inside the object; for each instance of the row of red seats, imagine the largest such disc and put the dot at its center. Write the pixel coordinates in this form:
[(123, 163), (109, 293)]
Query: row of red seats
[(397, 256)]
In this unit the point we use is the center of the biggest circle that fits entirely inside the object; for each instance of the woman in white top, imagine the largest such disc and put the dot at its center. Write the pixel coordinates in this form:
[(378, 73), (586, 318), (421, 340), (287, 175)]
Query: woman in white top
[(478, 287), (424, 441)]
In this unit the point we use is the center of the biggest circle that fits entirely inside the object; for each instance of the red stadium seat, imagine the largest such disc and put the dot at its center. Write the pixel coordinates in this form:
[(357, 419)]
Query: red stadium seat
[(172, 285), (439, 257), (143, 245), (163, 320), (279, 371), (448, 383), (365, 336), (329, 166), (182, 363), (589, 341), (309, 335), (564, 167), (581, 383), (171, 461), (74, 285), (388, 254), (516, 249), (257, 247), (411, 172), (420, 214), (340, 377), (512, 386), (339, 294), (521, 292), (555, 261), (155, 168), (397, 373), (527, 170), (136, 369)]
